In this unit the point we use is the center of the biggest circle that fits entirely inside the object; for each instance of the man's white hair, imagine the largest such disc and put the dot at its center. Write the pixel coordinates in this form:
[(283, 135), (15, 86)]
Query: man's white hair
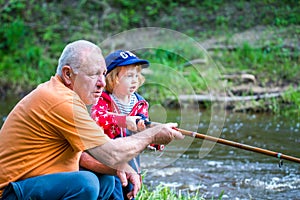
[(75, 55)]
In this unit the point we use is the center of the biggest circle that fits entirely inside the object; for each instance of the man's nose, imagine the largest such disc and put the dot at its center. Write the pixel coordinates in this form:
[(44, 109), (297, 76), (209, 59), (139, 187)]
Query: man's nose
[(101, 81)]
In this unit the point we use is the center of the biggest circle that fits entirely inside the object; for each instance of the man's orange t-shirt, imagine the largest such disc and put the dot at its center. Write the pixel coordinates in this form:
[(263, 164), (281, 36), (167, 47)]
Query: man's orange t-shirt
[(45, 133)]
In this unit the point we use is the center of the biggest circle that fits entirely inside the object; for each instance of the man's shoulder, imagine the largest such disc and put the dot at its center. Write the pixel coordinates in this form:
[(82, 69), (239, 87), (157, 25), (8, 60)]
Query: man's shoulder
[(53, 93)]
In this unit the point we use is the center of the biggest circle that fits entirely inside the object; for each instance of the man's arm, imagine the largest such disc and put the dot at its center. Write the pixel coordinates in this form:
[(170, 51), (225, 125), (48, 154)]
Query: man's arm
[(88, 162), (119, 151)]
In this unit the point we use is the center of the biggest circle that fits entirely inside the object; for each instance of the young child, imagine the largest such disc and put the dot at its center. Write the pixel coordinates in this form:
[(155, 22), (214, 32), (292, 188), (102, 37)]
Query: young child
[(120, 110)]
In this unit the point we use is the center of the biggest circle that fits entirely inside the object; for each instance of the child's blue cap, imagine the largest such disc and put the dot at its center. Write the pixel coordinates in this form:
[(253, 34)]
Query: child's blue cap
[(123, 58)]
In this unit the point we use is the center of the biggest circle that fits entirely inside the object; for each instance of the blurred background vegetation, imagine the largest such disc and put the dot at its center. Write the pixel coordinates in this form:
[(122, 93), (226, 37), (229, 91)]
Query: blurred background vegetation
[(260, 37)]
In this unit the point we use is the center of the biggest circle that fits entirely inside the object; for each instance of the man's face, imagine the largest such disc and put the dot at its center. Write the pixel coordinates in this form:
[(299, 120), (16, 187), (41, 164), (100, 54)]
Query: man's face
[(89, 82)]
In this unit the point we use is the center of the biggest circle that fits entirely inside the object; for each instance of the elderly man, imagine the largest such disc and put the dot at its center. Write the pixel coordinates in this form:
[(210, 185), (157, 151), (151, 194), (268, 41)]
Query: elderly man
[(44, 135)]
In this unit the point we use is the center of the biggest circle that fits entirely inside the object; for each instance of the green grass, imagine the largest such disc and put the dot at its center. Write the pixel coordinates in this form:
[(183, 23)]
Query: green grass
[(161, 192), (29, 48)]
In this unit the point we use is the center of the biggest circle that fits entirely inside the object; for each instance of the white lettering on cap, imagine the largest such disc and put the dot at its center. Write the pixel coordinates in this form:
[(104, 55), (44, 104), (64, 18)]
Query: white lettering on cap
[(125, 54), (131, 54)]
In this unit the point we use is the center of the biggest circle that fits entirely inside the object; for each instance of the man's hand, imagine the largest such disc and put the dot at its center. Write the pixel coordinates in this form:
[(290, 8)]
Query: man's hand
[(165, 133), (134, 178)]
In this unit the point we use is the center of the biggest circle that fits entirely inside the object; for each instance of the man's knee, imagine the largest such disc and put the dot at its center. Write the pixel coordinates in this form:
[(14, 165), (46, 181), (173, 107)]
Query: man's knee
[(88, 183), (107, 185)]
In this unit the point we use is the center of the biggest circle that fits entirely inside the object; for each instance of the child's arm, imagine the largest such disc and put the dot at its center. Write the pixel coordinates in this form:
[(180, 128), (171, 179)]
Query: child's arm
[(129, 122), (111, 122)]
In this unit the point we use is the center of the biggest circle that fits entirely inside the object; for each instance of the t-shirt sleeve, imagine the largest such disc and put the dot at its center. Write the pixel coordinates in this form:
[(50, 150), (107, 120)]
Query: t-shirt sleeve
[(73, 122)]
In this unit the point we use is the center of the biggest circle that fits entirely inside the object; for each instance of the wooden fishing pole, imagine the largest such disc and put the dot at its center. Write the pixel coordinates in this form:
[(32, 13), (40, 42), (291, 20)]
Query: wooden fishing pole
[(235, 144), (239, 145)]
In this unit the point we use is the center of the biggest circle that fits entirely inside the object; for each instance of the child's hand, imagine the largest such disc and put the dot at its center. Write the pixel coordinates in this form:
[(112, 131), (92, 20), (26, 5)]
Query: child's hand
[(141, 125), (131, 122)]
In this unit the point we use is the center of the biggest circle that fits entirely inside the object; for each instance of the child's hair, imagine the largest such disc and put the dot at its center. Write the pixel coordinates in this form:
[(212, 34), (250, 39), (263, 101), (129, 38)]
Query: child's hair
[(112, 77)]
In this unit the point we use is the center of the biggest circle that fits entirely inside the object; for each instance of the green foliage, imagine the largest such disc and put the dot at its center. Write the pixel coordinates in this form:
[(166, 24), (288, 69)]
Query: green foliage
[(271, 64), (33, 33), (161, 192), (171, 74), (21, 59), (165, 193), (292, 96)]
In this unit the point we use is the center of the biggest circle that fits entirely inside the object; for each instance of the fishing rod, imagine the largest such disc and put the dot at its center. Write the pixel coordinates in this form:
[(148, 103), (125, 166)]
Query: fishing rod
[(233, 144)]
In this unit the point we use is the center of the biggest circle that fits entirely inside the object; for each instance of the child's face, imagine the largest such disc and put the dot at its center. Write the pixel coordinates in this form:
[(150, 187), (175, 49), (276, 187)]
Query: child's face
[(128, 81)]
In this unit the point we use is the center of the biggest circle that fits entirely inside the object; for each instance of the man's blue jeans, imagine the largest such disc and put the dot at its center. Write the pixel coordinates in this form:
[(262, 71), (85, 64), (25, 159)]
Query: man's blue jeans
[(120, 192), (81, 185)]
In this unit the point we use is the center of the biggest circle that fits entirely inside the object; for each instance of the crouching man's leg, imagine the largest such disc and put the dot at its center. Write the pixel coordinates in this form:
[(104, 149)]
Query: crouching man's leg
[(107, 185), (106, 182), (65, 185)]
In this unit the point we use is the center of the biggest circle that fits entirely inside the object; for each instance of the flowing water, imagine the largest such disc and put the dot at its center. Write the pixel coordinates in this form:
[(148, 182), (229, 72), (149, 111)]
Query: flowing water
[(238, 173), (189, 166)]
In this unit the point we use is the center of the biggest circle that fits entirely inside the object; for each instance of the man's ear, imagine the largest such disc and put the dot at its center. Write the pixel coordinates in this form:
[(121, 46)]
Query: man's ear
[(66, 75), (117, 80)]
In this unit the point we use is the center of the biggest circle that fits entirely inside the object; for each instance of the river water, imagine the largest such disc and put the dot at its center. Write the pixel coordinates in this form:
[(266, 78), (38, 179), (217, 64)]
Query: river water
[(189, 166), (237, 173)]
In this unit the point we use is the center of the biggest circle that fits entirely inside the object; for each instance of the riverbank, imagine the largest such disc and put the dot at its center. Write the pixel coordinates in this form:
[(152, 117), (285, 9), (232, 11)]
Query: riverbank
[(249, 71), (254, 46)]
